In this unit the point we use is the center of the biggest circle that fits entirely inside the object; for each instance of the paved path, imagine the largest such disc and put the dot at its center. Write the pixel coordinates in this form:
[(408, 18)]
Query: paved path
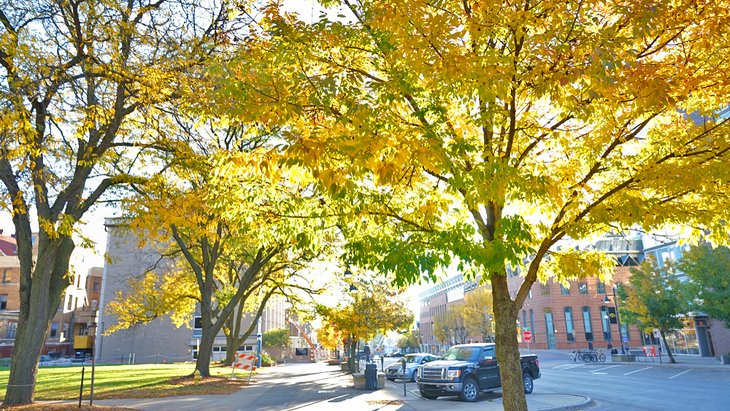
[(321, 387)]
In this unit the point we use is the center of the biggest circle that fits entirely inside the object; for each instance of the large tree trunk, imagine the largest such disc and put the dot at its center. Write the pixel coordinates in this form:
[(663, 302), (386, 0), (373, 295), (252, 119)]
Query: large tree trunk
[(205, 350), (40, 296), (669, 352), (232, 330), (508, 353)]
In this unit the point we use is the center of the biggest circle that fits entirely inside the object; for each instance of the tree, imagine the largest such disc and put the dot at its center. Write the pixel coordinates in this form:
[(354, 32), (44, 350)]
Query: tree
[(653, 299), (79, 82), (451, 326), (376, 308), (328, 337), (410, 341), (707, 268), (226, 215), (442, 328), (478, 313), (484, 133)]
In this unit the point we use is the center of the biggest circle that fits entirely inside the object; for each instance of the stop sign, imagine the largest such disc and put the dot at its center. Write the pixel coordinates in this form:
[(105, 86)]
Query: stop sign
[(527, 336)]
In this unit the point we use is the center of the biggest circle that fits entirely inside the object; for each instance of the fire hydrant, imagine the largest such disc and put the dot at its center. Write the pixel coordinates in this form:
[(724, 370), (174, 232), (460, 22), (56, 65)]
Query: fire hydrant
[(196, 377)]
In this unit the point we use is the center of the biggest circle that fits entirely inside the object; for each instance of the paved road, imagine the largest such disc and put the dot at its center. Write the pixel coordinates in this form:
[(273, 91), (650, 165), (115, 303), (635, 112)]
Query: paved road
[(637, 386), (625, 387), (318, 387)]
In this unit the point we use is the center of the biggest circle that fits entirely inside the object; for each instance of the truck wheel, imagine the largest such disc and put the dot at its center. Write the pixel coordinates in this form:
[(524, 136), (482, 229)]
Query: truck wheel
[(469, 390), (527, 383), (428, 396)]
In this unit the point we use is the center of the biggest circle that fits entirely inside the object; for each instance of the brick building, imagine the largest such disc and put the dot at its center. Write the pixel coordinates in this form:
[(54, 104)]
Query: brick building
[(584, 313), (68, 333)]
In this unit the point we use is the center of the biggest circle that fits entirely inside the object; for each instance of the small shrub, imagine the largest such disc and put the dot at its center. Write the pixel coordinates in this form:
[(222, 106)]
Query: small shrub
[(266, 360)]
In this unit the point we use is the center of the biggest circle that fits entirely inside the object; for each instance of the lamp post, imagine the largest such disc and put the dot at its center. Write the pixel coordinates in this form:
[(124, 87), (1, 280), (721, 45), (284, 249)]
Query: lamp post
[(618, 320), (93, 360)]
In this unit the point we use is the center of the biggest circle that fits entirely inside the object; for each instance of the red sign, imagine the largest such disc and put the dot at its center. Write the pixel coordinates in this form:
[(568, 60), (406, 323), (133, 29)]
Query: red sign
[(527, 336)]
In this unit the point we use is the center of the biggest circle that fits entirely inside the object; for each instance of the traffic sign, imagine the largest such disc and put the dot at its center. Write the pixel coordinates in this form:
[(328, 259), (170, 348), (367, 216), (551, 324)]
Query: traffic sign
[(527, 335)]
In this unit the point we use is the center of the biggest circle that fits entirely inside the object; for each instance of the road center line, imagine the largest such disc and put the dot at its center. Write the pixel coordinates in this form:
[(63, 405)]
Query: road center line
[(605, 368), (675, 376), (632, 372)]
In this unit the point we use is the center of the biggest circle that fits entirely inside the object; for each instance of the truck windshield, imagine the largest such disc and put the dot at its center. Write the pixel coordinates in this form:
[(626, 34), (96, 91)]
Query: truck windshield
[(462, 353)]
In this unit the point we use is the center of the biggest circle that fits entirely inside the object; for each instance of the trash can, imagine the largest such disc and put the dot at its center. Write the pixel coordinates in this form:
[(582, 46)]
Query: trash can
[(371, 376)]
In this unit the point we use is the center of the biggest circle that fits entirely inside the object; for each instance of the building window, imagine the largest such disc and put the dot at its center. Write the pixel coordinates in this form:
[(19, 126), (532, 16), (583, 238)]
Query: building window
[(587, 323), (545, 289), (568, 313), (3, 302), (532, 326), (606, 324), (54, 330), (12, 327), (583, 288), (83, 330), (69, 306), (564, 290), (6, 276), (94, 305), (524, 319), (96, 284), (601, 288)]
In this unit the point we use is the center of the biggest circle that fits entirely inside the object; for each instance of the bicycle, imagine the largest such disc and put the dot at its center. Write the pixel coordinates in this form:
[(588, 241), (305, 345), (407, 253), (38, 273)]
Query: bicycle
[(576, 356)]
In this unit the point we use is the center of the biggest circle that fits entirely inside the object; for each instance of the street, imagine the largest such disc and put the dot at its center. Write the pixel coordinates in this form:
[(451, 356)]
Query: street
[(628, 387), (637, 386)]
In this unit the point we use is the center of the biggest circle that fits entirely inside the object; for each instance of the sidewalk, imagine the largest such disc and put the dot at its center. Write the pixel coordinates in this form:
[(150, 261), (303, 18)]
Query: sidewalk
[(319, 387), (683, 361)]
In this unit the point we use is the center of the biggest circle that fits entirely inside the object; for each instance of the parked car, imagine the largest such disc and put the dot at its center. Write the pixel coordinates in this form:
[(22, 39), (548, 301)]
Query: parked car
[(468, 369), (413, 361)]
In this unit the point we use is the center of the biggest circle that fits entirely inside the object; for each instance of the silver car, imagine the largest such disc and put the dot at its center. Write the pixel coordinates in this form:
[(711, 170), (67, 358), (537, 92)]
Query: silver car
[(413, 362)]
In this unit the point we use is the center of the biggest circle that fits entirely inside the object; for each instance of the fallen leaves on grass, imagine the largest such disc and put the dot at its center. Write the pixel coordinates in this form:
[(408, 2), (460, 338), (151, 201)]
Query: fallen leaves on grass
[(181, 386)]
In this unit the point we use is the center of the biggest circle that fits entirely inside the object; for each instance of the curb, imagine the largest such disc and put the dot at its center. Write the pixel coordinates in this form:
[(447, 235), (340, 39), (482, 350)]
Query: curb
[(587, 402)]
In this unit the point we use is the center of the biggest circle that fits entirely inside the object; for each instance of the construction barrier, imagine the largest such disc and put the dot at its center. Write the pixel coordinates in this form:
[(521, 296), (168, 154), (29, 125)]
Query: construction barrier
[(244, 361)]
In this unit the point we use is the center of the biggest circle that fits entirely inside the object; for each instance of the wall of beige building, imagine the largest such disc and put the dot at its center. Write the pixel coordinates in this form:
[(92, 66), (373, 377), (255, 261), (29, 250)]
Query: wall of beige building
[(160, 340)]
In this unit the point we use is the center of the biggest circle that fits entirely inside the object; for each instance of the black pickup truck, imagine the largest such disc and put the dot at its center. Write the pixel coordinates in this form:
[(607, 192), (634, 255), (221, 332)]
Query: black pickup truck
[(468, 369)]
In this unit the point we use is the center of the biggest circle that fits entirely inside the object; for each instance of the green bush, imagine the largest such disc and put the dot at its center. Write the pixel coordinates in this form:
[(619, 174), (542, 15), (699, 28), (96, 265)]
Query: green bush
[(266, 360)]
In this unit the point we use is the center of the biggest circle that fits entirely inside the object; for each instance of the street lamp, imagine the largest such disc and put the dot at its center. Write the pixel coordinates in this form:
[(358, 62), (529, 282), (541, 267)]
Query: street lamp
[(618, 320)]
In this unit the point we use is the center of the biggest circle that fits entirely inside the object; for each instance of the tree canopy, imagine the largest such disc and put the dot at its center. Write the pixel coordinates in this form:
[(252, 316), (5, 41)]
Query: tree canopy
[(486, 132), (82, 87), (708, 271), (653, 299)]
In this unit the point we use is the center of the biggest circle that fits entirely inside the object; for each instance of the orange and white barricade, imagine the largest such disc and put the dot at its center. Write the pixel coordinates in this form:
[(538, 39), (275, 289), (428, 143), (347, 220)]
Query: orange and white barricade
[(244, 361)]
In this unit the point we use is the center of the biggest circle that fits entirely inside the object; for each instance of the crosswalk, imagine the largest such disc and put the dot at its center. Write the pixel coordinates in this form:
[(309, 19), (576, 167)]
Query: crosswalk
[(620, 370)]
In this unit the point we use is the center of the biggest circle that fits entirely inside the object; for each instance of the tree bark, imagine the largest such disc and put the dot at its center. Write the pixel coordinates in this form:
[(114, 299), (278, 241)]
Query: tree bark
[(669, 352), (508, 353), (40, 296), (205, 350)]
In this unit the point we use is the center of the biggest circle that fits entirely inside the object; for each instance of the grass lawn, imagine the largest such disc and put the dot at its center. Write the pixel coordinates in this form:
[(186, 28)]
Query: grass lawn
[(131, 381)]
